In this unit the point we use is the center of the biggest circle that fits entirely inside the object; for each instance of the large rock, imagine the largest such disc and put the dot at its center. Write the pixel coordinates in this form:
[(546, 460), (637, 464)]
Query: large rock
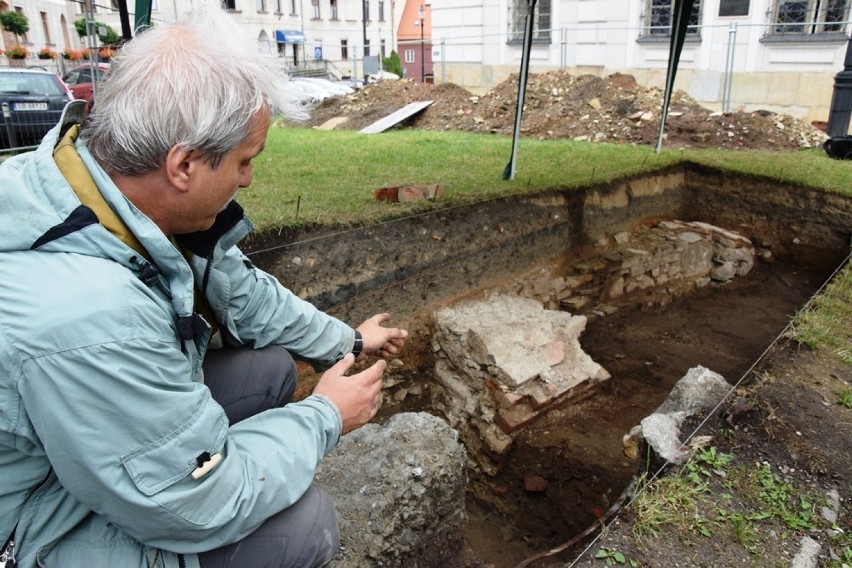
[(399, 491), (697, 392)]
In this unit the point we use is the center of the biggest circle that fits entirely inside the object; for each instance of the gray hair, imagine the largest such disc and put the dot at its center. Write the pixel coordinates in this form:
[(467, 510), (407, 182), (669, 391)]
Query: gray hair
[(195, 83)]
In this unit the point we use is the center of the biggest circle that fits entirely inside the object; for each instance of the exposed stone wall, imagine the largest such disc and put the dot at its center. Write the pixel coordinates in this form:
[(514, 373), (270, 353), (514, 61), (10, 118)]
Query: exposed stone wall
[(663, 261)]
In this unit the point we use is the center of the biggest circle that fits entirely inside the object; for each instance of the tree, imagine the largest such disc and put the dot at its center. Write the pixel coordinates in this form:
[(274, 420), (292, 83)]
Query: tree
[(392, 63), (14, 22), (105, 33)]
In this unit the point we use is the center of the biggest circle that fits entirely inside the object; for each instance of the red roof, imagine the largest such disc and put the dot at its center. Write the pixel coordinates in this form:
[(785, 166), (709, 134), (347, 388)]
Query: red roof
[(409, 24)]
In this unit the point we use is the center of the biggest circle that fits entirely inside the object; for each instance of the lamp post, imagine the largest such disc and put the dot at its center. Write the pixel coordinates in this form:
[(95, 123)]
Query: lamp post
[(422, 13)]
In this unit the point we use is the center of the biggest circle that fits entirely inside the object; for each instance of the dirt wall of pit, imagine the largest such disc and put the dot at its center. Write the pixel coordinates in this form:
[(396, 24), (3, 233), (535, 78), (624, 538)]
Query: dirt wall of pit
[(412, 265)]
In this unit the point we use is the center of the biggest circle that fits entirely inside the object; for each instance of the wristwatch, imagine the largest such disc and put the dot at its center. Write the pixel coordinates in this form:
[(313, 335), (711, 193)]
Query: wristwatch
[(359, 344)]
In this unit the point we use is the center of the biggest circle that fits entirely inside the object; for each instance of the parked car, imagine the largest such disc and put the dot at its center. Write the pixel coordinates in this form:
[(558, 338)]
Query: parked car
[(79, 79), (335, 88), (313, 93), (36, 99)]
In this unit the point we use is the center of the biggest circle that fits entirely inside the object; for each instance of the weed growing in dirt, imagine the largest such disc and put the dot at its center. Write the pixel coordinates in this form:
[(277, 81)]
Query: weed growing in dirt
[(779, 499), (841, 544), (669, 502), (613, 557), (713, 495), (845, 398)]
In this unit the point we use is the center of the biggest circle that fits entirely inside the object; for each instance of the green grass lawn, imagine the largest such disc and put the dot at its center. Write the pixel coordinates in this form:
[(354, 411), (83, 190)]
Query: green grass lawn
[(310, 176)]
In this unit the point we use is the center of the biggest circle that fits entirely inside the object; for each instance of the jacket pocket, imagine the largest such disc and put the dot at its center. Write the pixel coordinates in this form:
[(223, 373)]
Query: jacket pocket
[(162, 470)]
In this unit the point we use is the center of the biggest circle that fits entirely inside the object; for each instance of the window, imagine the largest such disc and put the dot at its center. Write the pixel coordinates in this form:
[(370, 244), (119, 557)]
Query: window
[(658, 18), (229, 4), (45, 27), (333, 4), (315, 9), (279, 6), (293, 7), (381, 11), (541, 21), (366, 10), (344, 49), (261, 6), (409, 56), (809, 16), (383, 49), (733, 8), (20, 10), (366, 48)]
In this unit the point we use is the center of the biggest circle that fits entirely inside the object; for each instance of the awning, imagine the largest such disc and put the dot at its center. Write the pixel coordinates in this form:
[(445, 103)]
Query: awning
[(289, 36)]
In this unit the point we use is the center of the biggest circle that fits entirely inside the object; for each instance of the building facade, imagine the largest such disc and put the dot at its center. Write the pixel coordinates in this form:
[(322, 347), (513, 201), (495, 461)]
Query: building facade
[(332, 35), (777, 55), (51, 24)]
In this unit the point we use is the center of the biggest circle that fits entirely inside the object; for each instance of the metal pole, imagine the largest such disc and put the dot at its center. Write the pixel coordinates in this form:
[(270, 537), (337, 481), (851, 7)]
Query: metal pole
[(840, 110), (364, 8), (729, 68), (443, 60), (10, 129), (91, 42), (422, 46), (563, 50), (509, 172), (355, 61)]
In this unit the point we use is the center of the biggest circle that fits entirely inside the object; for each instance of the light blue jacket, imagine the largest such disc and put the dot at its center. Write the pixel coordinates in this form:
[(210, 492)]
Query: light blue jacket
[(103, 412)]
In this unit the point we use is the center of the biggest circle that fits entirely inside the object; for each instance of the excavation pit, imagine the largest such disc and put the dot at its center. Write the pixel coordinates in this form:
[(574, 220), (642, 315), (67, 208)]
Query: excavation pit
[(567, 466)]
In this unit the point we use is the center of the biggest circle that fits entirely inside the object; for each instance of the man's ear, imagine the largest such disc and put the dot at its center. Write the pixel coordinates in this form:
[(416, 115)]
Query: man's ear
[(179, 167)]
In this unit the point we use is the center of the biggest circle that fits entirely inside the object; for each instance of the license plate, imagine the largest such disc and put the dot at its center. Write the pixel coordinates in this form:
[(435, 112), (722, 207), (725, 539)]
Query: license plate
[(29, 106)]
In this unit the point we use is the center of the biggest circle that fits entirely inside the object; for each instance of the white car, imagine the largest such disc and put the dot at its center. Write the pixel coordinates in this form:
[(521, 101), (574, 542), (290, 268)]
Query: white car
[(330, 86), (312, 93)]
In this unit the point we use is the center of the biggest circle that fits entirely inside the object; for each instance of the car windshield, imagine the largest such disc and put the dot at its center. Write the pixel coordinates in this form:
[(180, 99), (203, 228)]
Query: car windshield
[(30, 84)]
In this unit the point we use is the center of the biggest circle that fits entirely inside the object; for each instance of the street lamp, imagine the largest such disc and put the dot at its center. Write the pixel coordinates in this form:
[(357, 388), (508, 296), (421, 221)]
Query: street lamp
[(422, 13)]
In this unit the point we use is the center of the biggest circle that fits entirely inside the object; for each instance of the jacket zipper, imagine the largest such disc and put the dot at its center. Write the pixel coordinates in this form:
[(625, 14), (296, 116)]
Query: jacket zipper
[(7, 557), (181, 561)]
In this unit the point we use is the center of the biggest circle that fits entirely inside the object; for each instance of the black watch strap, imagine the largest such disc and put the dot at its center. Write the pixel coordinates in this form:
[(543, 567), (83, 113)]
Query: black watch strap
[(359, 344)]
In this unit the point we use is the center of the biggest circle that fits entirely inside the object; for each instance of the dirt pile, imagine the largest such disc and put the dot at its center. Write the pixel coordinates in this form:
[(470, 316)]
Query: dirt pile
[(559, 105)]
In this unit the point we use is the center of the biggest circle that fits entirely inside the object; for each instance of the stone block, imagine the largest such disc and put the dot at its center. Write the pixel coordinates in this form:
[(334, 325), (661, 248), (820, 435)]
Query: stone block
[(516, 418), (613, 289)]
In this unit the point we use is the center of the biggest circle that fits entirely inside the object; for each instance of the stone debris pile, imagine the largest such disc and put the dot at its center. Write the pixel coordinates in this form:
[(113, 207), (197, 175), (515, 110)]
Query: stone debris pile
[(560, 105)]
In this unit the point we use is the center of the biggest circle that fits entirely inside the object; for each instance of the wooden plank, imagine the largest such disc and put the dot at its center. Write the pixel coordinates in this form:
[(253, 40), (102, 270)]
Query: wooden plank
[(396, 117)]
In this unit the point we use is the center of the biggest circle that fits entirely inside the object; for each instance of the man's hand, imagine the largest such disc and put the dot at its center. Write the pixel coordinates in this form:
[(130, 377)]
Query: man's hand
[(382, 341), (358, 397)]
